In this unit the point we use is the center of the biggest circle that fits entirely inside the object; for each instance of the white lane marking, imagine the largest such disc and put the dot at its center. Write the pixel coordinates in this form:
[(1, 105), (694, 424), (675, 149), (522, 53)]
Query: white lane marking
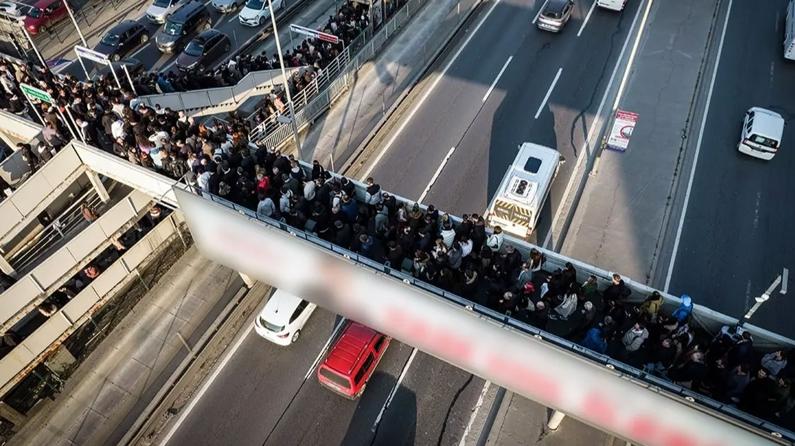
[(632, 54), (587, 17), (143, 47), (549, 93), (195, 398), (436, 174), (427, 93), (591, 132), (698, 150), (535, 19), (497, 79), (168, 66), (394, 390), (475, 411), (325, 348)]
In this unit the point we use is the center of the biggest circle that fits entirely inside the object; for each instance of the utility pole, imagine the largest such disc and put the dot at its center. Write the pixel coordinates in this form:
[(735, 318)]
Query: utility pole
[(286, 84)]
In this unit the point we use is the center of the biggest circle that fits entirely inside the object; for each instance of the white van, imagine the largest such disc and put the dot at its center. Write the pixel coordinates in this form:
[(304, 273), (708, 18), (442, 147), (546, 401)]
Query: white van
[(613, 5), (789, 32), (762, 132), (524, 189), (283, 317)]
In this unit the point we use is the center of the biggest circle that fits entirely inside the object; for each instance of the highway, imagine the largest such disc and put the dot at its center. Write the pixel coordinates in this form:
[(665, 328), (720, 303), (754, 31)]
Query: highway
[(269, 395), (312, 13), (737, 236), (509, 84)]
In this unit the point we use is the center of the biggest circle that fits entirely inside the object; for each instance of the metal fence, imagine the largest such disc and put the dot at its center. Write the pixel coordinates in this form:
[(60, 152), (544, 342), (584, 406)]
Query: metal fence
[(317, 100)]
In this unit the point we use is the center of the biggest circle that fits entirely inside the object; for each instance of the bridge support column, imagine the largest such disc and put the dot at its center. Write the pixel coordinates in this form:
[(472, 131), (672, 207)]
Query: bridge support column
[(555, 420), (97, 183)]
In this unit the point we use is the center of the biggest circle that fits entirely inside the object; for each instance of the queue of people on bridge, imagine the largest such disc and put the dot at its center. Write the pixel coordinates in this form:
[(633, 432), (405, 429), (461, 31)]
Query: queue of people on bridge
[(216, 157)]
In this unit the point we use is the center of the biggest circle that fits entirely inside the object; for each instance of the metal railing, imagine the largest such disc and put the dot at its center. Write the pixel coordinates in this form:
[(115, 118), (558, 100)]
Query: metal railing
[(322, 94), (60, 228)]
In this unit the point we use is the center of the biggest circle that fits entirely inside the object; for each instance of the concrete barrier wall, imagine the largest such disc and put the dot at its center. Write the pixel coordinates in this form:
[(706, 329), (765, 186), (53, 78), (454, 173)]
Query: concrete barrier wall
[(21, 298), (35, 194), (34, 349)]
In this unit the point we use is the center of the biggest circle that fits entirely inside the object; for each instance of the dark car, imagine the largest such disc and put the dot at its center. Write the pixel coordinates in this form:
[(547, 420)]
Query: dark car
[(121, 39), (555, 15), (133, 66), (181, 25), (44, 14), (203, 50)]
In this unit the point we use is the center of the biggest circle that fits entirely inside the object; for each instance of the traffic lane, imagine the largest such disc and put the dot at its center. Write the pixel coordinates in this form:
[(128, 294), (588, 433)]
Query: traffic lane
[(737, 234), (439, 398), (247, 398), (319, 416), (471, 176), (445, 114)]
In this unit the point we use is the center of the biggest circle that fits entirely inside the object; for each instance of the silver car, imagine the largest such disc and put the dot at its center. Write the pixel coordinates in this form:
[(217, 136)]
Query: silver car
[(225, 6), (554, 15)]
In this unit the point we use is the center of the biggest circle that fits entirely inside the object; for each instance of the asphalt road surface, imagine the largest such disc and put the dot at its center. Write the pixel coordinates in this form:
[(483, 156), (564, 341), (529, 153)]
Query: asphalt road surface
[(511, 83), (738, 231), (269, 395), (311, 14)]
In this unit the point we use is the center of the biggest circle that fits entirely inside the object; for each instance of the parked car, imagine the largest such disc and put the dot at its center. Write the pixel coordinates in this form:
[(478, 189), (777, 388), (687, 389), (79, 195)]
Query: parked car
[(351, 361), (613, 5), (44, 14), (181, 25), (225, 6), (159, 10), (121, 39), (283, 317), (133, 65), (761, 134), (203, 50), (555, 14), (256, 12), (14, 10)]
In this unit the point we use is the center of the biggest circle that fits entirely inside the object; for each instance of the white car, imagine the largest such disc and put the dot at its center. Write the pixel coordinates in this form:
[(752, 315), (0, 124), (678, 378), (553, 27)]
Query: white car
[(283, 317), (761, 134), (256, 12), (159, 10)]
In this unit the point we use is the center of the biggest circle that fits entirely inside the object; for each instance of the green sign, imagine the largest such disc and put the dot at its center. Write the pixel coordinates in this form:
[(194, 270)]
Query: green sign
[(36, 93)]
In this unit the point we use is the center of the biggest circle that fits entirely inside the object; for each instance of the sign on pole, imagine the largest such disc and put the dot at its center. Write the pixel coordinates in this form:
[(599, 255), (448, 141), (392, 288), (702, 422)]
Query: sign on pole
[(36, 93), (623, 125), (326, 37), (90, 54)]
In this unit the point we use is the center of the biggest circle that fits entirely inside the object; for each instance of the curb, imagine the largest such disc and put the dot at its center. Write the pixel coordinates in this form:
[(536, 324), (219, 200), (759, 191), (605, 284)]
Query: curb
[(359, 151)]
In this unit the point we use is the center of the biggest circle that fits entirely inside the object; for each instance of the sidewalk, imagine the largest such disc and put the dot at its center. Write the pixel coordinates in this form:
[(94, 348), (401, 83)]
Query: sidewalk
[(101, 400), (336, 135), (620, 221), (521, 422)]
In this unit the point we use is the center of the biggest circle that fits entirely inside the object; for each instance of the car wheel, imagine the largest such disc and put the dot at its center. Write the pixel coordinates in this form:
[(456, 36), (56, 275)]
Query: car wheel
[(296, 335), (144, 38)]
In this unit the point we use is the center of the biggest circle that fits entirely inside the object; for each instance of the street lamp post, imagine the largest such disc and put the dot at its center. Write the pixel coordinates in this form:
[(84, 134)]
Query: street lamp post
[(284, 75), (72, 16)]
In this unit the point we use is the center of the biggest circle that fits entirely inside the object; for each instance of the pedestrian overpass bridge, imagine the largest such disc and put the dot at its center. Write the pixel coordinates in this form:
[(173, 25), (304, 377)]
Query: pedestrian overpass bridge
[(560, 374)]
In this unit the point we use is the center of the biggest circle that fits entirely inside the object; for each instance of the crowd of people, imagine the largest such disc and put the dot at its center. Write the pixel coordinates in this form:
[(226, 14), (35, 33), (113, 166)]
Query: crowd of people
[(464, 257)]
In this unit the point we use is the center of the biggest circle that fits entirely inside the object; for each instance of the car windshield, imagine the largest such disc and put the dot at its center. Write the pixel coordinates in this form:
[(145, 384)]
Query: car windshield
[(333, 377), (271, 327), (194, 48), (34, 13), (162, 3), (110, 39), (173, 29), (761, 140), (255, 4)]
